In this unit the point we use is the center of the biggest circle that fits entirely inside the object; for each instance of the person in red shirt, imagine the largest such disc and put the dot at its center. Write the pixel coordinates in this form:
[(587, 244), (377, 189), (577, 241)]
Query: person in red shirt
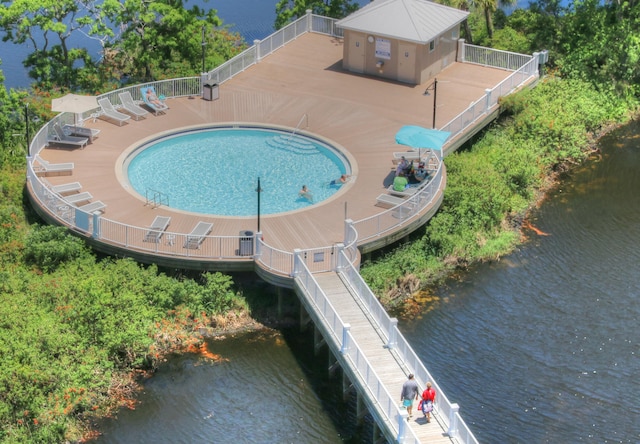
[(428, 399)]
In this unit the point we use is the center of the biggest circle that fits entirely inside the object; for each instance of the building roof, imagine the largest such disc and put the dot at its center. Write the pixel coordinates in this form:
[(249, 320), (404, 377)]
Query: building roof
[(419, 21)]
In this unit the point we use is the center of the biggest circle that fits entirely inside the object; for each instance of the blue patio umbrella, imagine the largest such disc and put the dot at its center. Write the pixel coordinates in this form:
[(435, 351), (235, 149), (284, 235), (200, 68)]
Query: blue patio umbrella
[(419, 137)]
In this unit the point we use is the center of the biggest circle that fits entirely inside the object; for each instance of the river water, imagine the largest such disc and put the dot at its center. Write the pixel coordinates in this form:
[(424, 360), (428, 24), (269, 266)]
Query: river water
[(540, 347)]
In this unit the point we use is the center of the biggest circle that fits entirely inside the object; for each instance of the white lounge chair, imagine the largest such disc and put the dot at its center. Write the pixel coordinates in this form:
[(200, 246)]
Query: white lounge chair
[(66, 188), (131, 107), (110, 112), (157, 229), (152, 101), (407, 192), (93, 207), (60, 138), (45, 167), (80, 197), (388, 201), (82, 131), (198, 234)]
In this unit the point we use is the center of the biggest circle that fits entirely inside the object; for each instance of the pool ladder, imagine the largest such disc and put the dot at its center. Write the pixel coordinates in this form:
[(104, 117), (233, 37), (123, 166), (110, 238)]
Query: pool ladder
[(156, 198)]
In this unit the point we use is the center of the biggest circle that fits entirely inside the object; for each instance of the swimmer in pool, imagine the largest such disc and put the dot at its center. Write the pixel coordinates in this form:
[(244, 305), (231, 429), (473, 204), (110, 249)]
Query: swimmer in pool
[(306, 193)]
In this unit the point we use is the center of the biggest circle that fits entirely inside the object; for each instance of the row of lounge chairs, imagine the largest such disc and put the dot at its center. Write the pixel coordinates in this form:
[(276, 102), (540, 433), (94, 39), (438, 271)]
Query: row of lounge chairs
[(160, 224), (130, 107), (71, 193)]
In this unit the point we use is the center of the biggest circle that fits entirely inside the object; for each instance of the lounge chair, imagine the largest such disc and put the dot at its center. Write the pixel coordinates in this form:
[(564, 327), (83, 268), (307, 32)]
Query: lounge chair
[(45, 167), (60, 138), (93, 207), (82, 131), (110, 112), (152, 101), (388, 201), (157, 229), (198, 234), (407, 192), (66, 188), (80, 197), (131, 107)]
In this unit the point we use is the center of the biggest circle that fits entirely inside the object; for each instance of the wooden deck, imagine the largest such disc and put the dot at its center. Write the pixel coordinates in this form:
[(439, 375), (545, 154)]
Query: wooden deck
[(358, 113)]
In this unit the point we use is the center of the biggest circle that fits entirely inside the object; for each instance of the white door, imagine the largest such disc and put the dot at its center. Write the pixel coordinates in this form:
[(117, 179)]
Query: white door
[(406, 62)]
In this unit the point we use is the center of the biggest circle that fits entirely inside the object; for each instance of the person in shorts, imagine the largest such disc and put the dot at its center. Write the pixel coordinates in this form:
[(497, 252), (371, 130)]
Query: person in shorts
[(410, 392)]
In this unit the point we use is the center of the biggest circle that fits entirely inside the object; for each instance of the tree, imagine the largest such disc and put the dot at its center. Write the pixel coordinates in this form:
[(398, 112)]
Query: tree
[(288, 11), (47, 25)]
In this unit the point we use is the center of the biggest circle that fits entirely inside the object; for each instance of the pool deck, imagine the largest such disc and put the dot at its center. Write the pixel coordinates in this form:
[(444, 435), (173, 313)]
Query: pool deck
[(358, 113)]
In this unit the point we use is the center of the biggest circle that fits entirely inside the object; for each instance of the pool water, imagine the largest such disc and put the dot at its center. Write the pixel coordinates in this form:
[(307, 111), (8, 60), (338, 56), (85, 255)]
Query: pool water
[(216, 171)]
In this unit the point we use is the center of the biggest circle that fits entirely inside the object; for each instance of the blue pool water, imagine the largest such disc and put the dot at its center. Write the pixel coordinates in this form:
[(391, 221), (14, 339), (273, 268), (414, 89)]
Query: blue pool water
[(215, 171)]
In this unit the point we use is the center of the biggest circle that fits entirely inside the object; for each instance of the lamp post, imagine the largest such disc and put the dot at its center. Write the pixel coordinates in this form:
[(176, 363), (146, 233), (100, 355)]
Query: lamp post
[(433, 87), (258, 190), (203, 45)]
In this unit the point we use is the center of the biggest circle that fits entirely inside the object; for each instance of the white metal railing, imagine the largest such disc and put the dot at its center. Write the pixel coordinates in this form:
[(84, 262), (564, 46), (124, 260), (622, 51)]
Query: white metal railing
[(382, 223), (496, 58), (524, 67), (388, 327), (386, 404)]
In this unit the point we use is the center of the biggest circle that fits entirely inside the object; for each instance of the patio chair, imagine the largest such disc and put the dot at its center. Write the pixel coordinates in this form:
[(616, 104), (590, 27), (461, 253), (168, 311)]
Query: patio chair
[(44, 167), (131, 107), (93, 207), (111, 113), (66, 188), (60, 138), (198, 234), (81, 131), (407, 192), (80, 197), (157, 229), (152, 101)]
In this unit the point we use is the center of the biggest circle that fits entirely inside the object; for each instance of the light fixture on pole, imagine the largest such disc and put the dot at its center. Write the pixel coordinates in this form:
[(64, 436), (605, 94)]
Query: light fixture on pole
[(433, 87), (203, 45), (258, 190)]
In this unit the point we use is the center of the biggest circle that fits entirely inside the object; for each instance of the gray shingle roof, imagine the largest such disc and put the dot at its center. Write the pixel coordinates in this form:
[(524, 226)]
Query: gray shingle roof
[(417, 21)]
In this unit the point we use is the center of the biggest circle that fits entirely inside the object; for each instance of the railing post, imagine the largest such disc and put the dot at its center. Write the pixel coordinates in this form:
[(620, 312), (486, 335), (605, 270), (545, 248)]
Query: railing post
[(296, 260), (338, 265), (453, 420), (461, 48), (203, 79), (309, 20), (256, 43), (348, 225), (393, 333), (488, 103), (402, 425), (345, 338), (96, 225), (258, 244)]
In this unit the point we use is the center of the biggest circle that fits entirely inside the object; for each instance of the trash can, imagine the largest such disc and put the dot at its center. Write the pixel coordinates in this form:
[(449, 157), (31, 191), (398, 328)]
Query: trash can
[(210, 91), (246, 243)]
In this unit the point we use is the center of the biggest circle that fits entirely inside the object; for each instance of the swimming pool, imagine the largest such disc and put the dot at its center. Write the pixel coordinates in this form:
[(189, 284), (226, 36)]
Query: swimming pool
[(215, 171)]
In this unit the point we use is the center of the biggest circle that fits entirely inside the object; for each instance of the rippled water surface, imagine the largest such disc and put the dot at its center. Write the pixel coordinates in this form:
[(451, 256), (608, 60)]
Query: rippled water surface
[(543, 347)]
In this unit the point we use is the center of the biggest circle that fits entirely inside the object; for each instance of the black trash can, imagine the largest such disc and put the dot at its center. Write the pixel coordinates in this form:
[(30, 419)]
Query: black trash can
[(246, 243), (210, 91)]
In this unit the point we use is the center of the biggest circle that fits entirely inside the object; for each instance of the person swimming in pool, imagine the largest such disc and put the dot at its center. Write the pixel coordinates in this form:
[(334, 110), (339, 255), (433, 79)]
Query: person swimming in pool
[(341, 180), (306, 193)]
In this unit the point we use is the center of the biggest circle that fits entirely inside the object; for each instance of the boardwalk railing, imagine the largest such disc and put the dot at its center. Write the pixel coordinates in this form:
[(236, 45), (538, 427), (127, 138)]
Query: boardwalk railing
[(388, 327), (385, 404)]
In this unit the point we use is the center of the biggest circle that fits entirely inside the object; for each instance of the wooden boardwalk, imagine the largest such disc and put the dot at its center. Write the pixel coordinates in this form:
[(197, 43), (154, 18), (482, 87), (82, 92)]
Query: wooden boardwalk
[(386, 364), (359, 114)]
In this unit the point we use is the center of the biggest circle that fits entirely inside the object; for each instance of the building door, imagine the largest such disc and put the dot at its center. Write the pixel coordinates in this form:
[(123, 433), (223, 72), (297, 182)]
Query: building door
[(407, 62), (356, 52)]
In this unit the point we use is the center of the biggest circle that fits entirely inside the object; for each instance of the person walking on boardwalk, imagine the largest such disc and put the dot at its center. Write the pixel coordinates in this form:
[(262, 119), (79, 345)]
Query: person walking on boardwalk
[(410, 392), (428, 399)]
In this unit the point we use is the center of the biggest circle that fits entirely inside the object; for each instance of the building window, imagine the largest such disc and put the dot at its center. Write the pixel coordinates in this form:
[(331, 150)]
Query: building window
[(432, 45)]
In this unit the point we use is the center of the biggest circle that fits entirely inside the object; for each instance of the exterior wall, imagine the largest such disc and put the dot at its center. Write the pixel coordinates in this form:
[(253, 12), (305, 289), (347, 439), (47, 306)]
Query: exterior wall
[(398, 60)]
